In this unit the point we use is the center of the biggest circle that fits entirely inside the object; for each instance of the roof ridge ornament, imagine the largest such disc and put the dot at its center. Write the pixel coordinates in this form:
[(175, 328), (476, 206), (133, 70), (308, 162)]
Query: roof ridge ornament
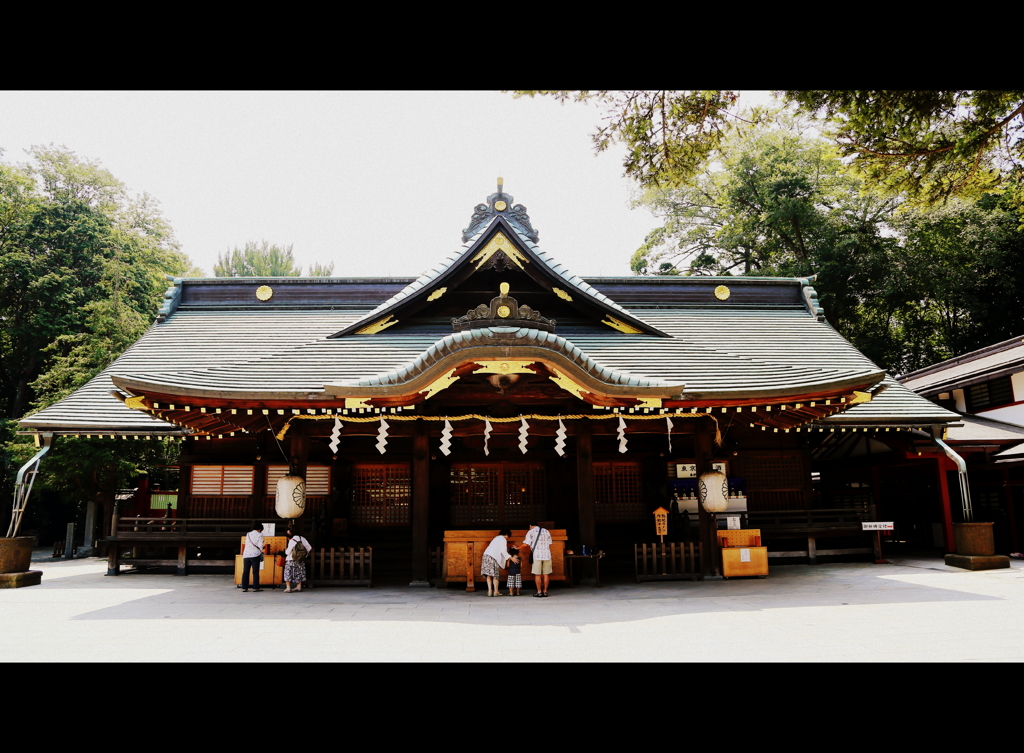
[(498, 203), (503, 311)]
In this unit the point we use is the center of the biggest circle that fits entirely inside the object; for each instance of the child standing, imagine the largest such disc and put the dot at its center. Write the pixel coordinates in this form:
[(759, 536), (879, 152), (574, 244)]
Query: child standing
[(515, 578)]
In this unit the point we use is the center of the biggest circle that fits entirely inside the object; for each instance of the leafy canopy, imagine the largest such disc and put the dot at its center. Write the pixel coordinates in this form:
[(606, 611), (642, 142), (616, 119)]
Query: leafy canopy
[(265, 259), (928, 146)]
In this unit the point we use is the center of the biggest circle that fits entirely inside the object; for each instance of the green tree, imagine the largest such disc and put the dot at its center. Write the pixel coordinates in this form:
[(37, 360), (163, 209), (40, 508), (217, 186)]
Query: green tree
[(321, 270), (779, 203), (82, 265), (257, 260), (927, 146)]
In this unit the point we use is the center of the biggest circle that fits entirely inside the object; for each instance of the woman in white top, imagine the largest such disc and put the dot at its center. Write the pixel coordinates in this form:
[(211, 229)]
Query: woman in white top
[(252, 556), (495, 557), (295, 562)]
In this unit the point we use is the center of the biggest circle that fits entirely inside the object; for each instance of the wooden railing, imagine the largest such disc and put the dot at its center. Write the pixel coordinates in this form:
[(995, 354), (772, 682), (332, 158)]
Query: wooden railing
[(800, 522), (182, 527), (812, 525), (672, 561), (342, 566)]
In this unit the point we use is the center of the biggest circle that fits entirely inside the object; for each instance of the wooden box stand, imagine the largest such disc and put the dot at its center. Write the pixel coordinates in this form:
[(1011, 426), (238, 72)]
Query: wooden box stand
[(742, 553), (464, 553), (272, 573)]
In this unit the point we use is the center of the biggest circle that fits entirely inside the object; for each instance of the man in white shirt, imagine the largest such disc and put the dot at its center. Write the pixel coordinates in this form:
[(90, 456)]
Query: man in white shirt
[(251, 557), (539, 541)]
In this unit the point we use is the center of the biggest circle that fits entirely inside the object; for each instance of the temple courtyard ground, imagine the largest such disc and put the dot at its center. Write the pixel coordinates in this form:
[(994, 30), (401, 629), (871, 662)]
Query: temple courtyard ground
[(910, 610)]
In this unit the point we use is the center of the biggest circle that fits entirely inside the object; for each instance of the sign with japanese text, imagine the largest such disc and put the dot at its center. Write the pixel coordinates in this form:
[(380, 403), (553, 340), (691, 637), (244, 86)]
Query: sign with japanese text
[(661, 522), (876, 526), (689, 470)]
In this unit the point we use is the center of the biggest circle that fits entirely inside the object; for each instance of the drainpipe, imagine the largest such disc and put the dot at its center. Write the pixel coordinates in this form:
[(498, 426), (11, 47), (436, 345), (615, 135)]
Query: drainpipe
[(21, 491), (965, 491)]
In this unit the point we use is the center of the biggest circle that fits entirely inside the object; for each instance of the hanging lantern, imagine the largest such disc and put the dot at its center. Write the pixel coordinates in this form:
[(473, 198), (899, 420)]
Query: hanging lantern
[(291, 497), (714, 491)]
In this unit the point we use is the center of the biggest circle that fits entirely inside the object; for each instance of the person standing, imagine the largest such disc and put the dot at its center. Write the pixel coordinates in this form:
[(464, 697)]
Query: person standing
[(494, 559), (295, 562), (252, 556), (539, 541)]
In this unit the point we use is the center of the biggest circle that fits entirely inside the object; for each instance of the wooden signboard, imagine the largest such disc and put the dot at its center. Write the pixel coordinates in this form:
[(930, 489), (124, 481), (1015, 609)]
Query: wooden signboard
[(661, 522), (464, 553)]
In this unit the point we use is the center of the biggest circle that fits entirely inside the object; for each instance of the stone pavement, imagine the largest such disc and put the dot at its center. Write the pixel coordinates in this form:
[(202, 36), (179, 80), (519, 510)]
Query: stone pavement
[(911, 610)]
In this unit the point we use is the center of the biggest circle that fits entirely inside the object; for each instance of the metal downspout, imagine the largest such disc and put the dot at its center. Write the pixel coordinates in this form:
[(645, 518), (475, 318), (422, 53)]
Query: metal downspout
[(965, 490), (21, 491)]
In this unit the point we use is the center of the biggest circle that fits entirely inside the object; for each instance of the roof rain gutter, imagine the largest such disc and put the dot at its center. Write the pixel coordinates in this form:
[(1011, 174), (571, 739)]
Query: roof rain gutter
[(961, 465), (23, 490)]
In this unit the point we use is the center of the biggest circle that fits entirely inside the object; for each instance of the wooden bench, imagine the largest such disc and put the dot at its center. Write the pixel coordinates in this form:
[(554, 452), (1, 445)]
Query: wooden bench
[(812, 525), (173, 532)]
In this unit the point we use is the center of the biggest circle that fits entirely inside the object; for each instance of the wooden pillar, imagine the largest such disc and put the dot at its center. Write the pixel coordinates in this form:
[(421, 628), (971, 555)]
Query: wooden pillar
[(184, 489), (298, 449), (585, 483), (182, 560), (1011, 518), (113, 558), (259, 491), (703, 452), (947, 513), (420, 505)]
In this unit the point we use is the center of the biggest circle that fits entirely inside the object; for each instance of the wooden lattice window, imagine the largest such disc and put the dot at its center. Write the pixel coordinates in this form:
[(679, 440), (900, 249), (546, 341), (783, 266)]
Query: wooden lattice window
[(217, 480), (318, 479), (990, 394), (775, 481), (618, 492), (381, 494), (498, 494)]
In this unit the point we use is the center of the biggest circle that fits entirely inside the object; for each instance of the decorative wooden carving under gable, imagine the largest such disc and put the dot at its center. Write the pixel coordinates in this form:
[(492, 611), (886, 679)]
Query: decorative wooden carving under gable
[(503, 311)]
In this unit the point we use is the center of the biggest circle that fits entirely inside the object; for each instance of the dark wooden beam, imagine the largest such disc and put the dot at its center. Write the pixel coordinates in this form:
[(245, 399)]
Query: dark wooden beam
[(703, 452), (585, 484), (420, 505)]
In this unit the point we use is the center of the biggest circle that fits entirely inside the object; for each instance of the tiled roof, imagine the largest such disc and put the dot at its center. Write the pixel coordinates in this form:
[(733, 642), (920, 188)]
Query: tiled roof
[(971, 368), (714, 351)]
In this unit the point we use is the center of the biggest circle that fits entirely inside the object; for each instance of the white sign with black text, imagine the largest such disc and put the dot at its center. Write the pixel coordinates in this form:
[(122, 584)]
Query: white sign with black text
[(876, 526)]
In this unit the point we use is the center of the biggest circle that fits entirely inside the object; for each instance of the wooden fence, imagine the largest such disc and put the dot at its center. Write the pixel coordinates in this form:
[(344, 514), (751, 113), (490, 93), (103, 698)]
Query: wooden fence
[(672, 561), (342, 566)]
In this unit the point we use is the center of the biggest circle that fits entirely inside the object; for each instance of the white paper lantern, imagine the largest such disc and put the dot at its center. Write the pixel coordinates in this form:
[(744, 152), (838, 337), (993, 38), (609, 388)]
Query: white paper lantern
[(714, 491), (291, 497)]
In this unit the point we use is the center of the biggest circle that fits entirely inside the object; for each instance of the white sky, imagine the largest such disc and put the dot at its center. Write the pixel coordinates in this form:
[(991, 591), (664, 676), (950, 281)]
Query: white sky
[(380, 183)]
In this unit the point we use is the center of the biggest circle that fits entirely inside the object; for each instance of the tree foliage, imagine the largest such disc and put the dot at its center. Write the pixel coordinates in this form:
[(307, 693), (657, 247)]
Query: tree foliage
[(926, 146), (82, 269), (82, 265), (907, 285), (265, 259), (261, 259)]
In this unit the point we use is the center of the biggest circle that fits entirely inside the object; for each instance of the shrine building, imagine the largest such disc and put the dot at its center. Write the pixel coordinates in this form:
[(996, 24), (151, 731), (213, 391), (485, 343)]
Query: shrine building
[(496, 389)]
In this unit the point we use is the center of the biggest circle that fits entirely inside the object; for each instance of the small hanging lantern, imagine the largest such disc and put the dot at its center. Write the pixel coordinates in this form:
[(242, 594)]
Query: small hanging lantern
[(714, 491), (291, 497)]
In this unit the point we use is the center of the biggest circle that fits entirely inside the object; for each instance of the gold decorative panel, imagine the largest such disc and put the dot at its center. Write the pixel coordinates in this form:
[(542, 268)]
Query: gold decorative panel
[(377, 326), (620, 326), (264, 292)]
